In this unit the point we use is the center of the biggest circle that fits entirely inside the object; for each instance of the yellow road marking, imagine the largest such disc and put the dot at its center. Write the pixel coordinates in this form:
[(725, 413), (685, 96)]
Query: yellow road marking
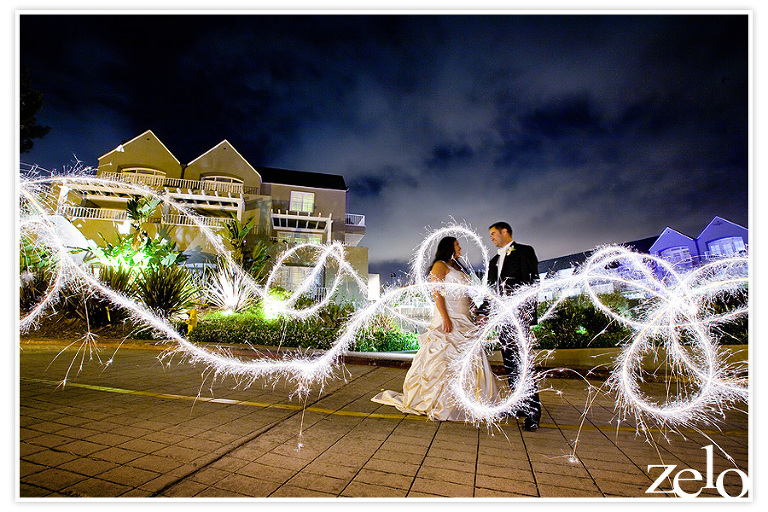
[(294, 407)]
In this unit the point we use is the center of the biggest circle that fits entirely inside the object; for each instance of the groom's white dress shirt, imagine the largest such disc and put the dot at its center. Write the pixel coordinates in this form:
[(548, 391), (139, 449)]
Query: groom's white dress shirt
[(502, 254)]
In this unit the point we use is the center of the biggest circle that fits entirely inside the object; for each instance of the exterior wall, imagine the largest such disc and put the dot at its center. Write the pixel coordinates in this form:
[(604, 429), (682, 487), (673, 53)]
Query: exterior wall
[(670, 238), (147, 151), (259, 209), (717, 229), (223, 160), (327, 202), (357, 257)]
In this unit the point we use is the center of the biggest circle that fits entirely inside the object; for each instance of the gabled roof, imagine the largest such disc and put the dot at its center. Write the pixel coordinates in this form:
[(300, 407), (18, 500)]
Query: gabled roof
[(302, 178), (121, 147), (719, 220), (226, 144), (667, 232)]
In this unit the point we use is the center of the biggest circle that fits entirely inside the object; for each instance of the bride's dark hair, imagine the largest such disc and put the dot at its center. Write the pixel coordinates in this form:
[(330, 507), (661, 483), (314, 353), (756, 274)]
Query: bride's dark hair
[(445, 252)]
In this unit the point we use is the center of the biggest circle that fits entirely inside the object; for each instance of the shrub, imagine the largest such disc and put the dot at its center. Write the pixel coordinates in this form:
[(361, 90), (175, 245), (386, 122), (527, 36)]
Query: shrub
[(253, 328), (91, 306), (35, 264), (136, 253), (577, 323), (229, 291), (385, 335), (318, 332), (734, 331), (33, 287), (167, 291)]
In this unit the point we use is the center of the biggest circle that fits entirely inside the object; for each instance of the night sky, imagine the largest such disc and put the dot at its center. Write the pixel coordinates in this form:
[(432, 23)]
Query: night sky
[(579, 130)]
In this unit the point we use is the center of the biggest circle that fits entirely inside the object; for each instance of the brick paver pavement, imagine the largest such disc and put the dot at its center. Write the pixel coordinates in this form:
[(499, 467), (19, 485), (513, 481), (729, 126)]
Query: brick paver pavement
[(139, 428)]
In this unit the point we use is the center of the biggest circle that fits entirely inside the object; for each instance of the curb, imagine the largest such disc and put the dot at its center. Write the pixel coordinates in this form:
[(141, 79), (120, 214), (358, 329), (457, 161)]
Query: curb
[(596, 363)]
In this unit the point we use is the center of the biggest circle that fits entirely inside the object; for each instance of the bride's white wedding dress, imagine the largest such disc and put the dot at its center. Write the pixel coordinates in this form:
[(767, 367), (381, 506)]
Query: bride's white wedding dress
[(427, 386)]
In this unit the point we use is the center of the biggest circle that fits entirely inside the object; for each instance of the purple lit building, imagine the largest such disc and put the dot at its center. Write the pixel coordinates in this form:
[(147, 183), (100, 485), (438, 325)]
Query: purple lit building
[(720, 238)]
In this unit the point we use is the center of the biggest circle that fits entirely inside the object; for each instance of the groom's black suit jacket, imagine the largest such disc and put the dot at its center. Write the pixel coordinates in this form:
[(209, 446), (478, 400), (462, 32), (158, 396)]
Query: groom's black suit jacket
[(521, 267)]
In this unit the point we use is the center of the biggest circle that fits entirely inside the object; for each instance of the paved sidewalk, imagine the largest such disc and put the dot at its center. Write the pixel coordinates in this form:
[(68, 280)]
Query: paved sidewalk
[(138, 428)]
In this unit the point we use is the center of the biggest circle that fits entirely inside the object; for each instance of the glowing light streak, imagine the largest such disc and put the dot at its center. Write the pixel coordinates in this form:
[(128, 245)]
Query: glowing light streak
[(675, 320)]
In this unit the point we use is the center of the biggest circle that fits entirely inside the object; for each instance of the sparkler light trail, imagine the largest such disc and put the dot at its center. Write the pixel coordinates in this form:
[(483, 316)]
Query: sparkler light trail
[(675, 327)]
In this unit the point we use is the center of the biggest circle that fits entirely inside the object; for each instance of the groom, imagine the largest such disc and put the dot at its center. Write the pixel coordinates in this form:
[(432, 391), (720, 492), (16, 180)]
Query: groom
[(514, 265)]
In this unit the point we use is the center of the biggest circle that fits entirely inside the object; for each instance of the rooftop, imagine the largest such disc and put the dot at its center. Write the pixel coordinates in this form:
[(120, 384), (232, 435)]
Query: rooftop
[(302, 178)]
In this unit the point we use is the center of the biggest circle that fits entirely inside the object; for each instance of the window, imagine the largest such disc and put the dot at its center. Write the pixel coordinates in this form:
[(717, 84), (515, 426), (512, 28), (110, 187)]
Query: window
[(143, 175), (303, 202), (676, 254), (222, 179), (143, 171), (299, 238), (292, 277), (727, 246)]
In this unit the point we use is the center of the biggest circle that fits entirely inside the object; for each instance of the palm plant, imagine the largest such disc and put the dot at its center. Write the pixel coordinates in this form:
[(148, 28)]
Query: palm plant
[(169, 291), (92, 307), (35, 265), (139, 211), (236, 232), (258, 264), (230, 291)]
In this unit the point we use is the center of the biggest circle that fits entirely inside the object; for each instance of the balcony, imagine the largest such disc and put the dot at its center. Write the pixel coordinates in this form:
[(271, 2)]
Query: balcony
[(354, 219), (235, 189), (184, 220), (80, 212), (110, 214)]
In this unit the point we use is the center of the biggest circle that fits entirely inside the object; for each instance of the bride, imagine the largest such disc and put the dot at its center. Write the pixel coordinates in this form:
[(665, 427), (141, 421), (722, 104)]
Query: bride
[(427, 387)]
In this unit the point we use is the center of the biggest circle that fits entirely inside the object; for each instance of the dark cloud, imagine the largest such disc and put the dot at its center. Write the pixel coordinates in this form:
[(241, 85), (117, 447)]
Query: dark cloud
[(578, 129), (447, 153)]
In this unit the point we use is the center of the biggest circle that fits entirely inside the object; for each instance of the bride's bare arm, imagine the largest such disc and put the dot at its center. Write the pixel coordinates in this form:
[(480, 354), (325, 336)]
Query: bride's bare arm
[(437, 275)]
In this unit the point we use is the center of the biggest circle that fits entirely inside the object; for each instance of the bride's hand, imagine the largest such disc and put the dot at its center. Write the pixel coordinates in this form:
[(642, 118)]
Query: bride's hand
[(447, 325)]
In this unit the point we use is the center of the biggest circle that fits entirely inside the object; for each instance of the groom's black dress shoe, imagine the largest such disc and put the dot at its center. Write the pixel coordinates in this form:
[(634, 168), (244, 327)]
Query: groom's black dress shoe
[(530, 426)]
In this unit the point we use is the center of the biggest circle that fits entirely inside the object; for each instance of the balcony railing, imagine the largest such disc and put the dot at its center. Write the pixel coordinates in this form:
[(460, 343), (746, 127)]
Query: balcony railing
[(184, 220), (236, 189), (81, 212), (355, 219), (110, 214)]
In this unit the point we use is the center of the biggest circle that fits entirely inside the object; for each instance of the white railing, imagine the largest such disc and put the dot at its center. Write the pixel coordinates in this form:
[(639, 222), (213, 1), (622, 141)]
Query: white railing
[(81, 212), (212, 186), (355, 219), (184, 220), (161, 181)]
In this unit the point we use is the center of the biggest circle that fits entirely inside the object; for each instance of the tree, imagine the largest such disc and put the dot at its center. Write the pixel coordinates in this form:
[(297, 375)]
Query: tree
[(236, 232), (139, 212), (31, 103)]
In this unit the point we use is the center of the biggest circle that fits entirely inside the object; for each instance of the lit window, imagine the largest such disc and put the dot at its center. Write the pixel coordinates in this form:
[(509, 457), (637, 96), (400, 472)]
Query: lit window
[(302, 202), (292, 277), (143, 171), (222, 179), (676, 254), (299, 238), (727, 246)]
